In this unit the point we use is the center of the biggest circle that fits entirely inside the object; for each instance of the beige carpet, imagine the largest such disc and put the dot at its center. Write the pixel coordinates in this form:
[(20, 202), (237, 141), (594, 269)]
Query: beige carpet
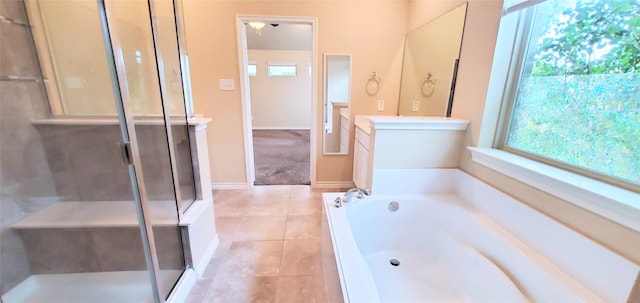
[(281, 157)]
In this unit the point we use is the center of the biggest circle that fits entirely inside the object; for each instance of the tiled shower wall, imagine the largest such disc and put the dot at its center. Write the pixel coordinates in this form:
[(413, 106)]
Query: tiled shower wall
[(26, 183), (87, 164)]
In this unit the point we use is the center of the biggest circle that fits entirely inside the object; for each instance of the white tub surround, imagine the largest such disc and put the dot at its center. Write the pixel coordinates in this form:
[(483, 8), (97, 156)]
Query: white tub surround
[(459, 240), (393, 142), (615, 203)]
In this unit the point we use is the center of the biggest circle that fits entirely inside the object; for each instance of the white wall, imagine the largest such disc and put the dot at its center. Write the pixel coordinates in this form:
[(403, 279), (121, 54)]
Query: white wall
[(280, 102)]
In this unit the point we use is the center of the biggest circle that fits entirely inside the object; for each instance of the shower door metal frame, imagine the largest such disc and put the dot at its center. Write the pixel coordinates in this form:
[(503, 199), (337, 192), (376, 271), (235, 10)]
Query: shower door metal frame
[(117, 70), (162, 81)]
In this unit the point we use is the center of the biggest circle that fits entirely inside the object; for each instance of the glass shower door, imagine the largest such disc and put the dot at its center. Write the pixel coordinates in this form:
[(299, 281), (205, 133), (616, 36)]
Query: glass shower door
[(152, 96), (75, 227), (104, 225)]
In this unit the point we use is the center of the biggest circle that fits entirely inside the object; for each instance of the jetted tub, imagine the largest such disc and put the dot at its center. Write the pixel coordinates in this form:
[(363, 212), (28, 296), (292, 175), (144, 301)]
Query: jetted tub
[(439, 248)]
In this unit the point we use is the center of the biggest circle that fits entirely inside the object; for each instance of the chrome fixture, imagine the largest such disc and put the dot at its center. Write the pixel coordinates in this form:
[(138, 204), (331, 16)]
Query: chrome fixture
[(348, 196), (393, 206), (429, 83), (373, 84)]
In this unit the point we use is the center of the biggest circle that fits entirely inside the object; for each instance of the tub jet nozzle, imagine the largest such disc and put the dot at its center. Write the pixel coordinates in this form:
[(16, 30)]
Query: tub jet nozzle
[(393, 206)]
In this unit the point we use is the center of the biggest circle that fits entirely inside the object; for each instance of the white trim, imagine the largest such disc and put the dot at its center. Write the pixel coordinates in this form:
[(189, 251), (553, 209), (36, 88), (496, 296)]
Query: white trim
[(409, 122), (617, 204), (515, 7), (280, 63), (333, 184), (206, 257), (245, 89), (193, 213), (183, 287), (232, 185), (245, 96), (42, 43), (282, 127)]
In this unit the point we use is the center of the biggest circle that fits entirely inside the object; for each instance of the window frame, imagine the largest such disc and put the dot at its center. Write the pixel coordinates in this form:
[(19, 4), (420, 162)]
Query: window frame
[(525, 17), (254, 63), (282, 64)]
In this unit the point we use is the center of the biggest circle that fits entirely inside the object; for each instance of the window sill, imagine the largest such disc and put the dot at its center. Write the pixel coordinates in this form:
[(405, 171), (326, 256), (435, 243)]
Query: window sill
[(614, 203)]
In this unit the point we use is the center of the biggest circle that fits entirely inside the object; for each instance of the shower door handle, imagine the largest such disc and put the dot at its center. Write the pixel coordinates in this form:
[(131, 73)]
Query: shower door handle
[(125, 152)]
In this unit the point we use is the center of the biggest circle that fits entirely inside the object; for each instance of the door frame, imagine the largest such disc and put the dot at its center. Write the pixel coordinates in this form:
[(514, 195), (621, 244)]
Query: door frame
[(245, 94)]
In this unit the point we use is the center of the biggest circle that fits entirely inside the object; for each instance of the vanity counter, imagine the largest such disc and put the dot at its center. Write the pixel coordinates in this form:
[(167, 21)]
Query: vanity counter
[(408, 122)]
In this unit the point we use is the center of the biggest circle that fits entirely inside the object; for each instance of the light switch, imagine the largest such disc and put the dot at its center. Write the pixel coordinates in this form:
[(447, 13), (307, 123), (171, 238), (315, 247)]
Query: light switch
[(381, 105), (227, 84), (416, 106)]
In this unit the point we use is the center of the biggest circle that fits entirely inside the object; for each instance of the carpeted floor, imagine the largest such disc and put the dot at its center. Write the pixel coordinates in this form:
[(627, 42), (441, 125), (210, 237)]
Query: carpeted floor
[(281, 157)]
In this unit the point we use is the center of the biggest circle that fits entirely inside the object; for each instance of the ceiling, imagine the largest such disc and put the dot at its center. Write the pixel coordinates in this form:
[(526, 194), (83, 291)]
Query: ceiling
[(285, 36)]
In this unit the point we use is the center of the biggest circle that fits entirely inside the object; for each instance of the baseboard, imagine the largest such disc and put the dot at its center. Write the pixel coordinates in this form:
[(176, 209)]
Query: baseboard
[(281, 128), (208, 254), (231, 185), (333, 184), (183, 287)]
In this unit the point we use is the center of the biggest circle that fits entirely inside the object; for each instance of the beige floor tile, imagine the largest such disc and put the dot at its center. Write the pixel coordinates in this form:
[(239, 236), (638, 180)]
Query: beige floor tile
[(251, 258), (297, 289), (303, 227), (242, 290), (301, 257), (253, 263), (253, 228), (227, 226), (304, 192), (198, 292), (305, 207), (230, 194), (267, 207), (231, 207), (271, 191), (218, 258)]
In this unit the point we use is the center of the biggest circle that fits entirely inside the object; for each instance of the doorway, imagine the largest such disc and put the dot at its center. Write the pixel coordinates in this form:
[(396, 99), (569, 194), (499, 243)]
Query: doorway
[(277, 59)]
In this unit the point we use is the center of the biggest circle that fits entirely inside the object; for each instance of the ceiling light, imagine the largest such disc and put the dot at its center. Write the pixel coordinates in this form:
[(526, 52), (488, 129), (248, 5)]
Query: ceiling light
[(257, 26)]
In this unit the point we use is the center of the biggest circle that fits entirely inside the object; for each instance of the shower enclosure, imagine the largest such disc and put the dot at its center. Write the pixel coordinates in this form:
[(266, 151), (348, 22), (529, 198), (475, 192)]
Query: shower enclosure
[(96, 159)]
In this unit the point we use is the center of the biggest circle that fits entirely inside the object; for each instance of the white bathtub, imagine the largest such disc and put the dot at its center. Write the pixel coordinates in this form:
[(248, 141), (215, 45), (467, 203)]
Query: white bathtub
[(448, 252)]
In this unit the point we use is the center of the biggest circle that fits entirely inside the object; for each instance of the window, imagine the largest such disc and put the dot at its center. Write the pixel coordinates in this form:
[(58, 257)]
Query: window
[(574, 101), (282, 69), (252, 68)]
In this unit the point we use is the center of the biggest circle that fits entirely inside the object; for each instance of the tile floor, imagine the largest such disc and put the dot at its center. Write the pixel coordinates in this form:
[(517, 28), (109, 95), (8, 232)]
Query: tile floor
[(270, 248)]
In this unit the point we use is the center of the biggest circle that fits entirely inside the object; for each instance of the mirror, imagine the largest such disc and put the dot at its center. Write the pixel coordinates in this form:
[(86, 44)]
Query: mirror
[(430, 65), (337, 94)]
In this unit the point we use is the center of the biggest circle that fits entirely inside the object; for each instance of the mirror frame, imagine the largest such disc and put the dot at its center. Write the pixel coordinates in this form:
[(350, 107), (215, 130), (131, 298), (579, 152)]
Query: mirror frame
[(344, 142)]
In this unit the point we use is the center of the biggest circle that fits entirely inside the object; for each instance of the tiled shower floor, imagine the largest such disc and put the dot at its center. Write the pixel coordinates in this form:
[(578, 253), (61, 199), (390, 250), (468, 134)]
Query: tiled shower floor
[(269, 247), (95, 287)]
